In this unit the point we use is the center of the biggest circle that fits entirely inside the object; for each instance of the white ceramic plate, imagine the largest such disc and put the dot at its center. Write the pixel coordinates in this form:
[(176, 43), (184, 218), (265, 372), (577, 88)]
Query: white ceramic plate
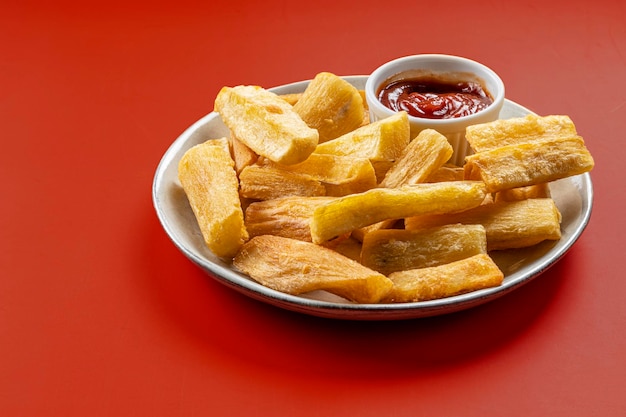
[(573, 196)]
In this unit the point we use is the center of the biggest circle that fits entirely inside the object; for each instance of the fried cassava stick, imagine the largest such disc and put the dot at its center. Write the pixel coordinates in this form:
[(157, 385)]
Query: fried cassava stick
[(426, 153), (509, 224), (297, 267), (524, 164), (354, 211), (266, 123), (469, 274), (393, 250), (207, 174), (331, 105)]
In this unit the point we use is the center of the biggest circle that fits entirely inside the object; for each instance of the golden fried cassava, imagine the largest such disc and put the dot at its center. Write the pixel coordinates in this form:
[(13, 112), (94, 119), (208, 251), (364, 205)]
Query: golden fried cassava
[(509, 224), (331, 105), (469, 274), (207, 174), (393, 250), (266, 123), (348, 213), (297, 267)]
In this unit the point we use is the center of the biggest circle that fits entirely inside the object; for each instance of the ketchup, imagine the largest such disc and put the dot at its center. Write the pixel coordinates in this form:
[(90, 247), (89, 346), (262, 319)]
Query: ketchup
[(433, 98)]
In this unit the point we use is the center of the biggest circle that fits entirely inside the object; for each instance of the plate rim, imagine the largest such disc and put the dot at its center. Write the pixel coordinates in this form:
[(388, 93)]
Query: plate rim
[(354, 311)]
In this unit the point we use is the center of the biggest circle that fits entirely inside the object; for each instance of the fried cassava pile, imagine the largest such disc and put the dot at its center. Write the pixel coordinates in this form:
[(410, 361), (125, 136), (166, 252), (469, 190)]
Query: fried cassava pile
[(306, 194)]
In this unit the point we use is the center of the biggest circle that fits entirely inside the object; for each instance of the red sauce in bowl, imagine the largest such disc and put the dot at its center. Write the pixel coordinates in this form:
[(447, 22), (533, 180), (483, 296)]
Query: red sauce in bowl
[(432, 98)]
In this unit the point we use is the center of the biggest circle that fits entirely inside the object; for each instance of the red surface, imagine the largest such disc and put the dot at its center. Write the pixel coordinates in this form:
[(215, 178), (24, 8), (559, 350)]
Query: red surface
[(100, 315)]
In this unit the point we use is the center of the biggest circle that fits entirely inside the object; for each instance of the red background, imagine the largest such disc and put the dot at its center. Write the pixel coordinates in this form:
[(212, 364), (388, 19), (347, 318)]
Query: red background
[(100, 315)]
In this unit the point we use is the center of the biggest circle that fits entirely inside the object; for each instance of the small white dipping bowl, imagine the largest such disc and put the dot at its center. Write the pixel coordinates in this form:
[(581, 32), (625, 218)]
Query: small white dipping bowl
[(444, 67)]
